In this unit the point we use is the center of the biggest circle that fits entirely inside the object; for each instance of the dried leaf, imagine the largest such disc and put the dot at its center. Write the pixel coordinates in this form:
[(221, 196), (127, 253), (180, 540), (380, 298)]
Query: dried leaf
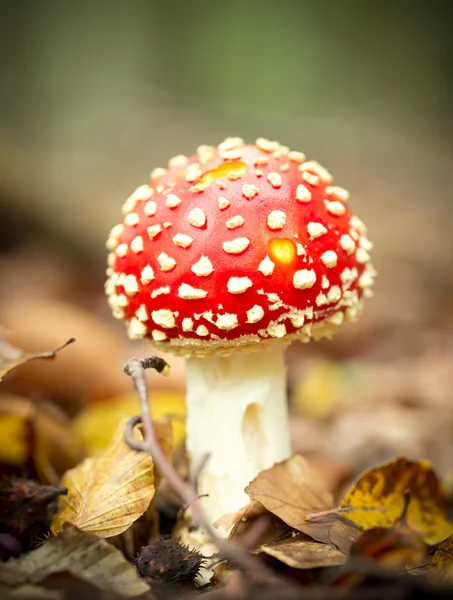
[(95, 425), (391, 548), (377, 499), (11, 357), (291, 490), (381, 550), (106, 494), (343, 534), (237, 521), (80, 553), (301, 552), (241, 522), (442, 561)]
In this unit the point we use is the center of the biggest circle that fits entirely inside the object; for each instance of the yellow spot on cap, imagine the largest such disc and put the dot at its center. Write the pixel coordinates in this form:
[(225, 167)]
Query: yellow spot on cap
[(237, 167), (282, 250)]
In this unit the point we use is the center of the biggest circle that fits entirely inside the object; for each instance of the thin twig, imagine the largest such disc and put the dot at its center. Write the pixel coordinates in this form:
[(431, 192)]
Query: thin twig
[(339, 510), (237, 556)]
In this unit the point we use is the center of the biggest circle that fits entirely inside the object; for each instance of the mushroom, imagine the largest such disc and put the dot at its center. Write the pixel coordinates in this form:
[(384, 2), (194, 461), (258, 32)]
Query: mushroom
[(225, 258)]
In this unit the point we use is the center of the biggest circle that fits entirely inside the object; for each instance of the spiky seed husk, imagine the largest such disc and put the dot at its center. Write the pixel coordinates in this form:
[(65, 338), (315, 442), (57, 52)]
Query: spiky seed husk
[(167, 560)]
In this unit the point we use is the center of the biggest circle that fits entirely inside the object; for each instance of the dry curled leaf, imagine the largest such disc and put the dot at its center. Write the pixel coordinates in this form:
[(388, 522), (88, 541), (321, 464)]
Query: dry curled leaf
[(107, 493), (11, 357), (80, 553), (301, 552), (291, 490), (377, 499)]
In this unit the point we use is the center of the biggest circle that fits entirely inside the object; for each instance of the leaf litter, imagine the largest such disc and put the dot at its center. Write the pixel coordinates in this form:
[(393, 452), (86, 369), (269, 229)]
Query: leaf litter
[(309, 526), (382, 491)]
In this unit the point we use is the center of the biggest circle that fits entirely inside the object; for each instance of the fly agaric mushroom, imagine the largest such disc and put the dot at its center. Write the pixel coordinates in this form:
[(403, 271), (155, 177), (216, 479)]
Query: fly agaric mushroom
[(225, 258)]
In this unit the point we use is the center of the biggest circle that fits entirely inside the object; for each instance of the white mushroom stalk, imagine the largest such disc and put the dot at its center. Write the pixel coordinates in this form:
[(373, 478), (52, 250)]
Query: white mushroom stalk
[(236, 413)]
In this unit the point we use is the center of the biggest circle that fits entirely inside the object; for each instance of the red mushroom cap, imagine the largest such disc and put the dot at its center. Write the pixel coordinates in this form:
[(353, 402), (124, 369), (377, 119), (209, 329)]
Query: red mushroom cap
[(234, 246)]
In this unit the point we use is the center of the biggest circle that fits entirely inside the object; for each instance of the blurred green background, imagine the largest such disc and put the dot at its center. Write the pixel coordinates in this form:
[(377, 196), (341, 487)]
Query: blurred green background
[(95, 94)]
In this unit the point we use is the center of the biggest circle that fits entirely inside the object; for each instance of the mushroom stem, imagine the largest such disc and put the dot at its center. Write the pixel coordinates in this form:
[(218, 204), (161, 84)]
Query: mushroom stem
[(236, 413)]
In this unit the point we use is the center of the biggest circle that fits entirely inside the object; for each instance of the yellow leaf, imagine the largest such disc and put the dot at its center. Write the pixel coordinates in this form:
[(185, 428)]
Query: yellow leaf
[(96, 424), (13, 448), (106, 494), (377, 499), (320, 390), (53, 447)]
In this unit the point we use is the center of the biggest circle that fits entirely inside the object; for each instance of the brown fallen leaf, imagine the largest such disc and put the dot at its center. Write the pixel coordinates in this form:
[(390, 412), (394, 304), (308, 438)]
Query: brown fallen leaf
[(291, 490), (377, 499), (301, 552), (392, 548), (80, 553), (441, 568), (107, 493), (343, 534), (11, 357), (379, 550), (240, 525), (232, 521)]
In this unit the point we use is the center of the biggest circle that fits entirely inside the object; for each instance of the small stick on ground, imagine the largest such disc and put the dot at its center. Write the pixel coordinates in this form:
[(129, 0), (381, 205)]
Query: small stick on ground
[(236, 556)]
